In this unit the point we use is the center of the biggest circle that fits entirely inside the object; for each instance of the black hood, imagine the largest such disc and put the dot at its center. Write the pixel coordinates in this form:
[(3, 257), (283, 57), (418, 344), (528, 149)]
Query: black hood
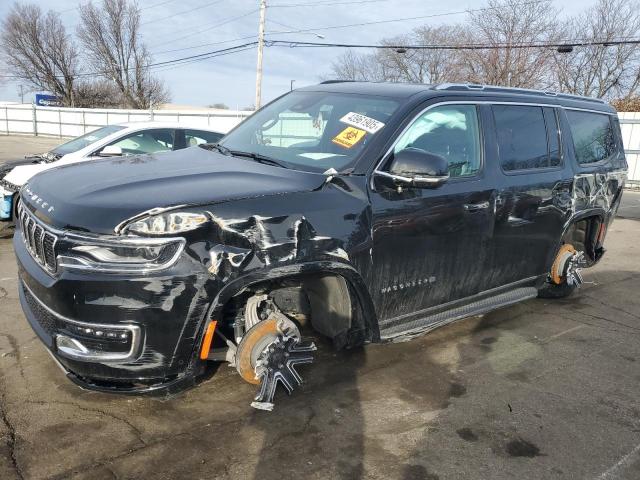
[(96, 196)]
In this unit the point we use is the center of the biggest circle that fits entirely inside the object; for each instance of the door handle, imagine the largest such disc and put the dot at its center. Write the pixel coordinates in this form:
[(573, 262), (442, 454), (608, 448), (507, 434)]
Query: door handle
[(474, 207)]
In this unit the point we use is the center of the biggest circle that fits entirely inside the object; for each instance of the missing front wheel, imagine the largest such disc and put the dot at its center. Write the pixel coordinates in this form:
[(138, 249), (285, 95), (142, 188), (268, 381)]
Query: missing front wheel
[(269, 352)]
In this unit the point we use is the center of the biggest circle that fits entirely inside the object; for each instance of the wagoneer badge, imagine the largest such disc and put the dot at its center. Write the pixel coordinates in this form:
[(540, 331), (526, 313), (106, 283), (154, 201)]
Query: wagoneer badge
[(39, 201)]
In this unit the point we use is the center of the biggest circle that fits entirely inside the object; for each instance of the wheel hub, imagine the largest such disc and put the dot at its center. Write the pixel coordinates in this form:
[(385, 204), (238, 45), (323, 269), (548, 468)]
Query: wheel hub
[(567, 266)]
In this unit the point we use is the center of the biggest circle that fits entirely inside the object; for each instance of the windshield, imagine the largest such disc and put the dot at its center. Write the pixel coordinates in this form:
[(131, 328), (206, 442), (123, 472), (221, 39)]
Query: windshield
[(312, 131), (85, 140)]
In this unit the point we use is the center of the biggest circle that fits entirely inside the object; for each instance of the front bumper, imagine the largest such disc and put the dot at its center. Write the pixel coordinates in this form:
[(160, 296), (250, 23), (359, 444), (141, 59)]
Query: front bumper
[(162, 313)]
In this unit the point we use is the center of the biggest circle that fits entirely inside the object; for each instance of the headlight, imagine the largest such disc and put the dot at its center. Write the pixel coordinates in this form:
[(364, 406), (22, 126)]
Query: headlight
[(167, 223), (120, 255)]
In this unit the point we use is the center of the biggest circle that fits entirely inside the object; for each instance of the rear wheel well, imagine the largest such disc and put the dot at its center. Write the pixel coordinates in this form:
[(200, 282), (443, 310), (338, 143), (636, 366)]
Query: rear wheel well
[(583, 235)]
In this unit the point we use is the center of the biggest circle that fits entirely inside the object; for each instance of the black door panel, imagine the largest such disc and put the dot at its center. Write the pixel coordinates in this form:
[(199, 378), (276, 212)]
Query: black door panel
[(533, 197), (430, 245)]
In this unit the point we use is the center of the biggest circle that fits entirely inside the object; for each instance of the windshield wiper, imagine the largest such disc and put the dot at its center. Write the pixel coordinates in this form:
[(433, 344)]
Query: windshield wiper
[(221, 148), (258, 158)]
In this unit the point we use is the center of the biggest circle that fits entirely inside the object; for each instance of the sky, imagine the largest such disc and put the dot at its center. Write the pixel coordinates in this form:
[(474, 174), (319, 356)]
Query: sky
[(174, 29)]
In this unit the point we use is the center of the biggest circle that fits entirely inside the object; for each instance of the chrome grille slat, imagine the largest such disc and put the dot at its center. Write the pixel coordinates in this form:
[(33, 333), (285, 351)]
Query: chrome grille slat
[(39, 241), (38, 234), (30, 224)]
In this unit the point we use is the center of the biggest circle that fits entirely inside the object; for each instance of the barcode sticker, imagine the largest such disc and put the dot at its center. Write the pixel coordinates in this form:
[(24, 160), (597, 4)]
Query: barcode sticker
[(368, 124)]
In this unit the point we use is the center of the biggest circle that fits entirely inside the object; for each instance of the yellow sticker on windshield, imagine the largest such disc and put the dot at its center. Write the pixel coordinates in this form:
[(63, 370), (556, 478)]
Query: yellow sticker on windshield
[(349, 137)]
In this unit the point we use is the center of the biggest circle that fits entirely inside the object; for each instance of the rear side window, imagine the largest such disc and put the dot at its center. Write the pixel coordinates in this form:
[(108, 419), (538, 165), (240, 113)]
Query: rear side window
[(525, 141), (593, 136)]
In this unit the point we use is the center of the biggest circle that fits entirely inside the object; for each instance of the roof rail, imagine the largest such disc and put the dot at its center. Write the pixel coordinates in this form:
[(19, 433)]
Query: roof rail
[(328, 82), (521, 91)]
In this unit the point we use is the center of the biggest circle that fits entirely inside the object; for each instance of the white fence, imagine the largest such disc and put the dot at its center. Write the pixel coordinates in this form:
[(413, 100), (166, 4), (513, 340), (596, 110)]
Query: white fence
[(18, 119), (630, 125)]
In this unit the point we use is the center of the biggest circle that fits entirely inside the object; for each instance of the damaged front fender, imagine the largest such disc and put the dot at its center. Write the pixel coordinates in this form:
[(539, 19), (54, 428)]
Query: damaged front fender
[(332, 237)]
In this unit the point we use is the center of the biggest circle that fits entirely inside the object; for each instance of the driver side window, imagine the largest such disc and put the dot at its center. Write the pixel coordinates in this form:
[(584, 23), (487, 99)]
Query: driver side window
[(451, 131), (146, 141)]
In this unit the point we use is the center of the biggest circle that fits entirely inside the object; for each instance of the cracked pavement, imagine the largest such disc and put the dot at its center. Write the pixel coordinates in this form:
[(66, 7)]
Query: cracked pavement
[(544, 389)]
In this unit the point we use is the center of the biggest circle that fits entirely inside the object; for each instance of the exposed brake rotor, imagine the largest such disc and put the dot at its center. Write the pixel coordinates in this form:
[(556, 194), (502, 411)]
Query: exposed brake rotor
[(268, 355), (567, 266)]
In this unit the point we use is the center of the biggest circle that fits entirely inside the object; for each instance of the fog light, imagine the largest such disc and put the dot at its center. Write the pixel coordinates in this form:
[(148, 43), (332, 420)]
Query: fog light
[(70, 346)]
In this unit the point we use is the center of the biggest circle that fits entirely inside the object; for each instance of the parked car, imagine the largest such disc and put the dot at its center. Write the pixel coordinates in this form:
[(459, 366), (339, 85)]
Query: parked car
[(113, 140), (361, 212)]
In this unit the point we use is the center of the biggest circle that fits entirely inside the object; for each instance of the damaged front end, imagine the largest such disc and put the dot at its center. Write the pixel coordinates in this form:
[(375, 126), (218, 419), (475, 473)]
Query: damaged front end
[(145, 310)]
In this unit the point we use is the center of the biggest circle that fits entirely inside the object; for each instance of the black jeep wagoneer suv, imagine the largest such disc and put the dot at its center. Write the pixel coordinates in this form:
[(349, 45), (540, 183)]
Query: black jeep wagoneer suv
[(362, 212)]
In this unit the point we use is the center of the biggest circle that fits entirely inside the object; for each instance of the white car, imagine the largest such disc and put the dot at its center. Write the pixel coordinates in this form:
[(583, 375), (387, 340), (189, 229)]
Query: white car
[(110, 141)]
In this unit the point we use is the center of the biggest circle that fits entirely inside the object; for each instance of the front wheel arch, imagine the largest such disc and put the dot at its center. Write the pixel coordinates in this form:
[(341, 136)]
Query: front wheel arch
[(364, 325)]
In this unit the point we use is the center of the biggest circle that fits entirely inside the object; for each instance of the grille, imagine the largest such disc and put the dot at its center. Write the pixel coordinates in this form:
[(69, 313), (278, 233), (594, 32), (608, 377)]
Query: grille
[(45, 319), (40, 242)]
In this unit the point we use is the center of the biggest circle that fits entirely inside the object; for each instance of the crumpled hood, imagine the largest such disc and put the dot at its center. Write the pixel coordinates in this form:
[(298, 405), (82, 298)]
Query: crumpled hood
[(96, 196)]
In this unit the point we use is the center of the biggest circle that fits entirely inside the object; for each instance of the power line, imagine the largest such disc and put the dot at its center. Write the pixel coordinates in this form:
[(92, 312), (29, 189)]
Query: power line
[(470, 46), (173, 15), (202, 56), (171, 67), (295, 44), (404, 19), (331, 27), (222, 42), (228, 20), (159, 4), (322, 4)]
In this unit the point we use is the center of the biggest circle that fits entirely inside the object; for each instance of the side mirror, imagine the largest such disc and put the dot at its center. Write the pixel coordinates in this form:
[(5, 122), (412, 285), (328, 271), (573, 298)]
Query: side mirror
[(413, 167), (110, 151)]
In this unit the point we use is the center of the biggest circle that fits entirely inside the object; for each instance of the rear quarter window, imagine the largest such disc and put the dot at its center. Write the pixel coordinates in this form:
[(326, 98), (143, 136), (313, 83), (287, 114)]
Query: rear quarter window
[(593, 136)]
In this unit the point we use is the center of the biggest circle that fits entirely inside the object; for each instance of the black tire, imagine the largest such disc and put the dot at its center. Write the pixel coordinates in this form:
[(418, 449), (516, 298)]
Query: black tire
[(7, 229), (551, 290)]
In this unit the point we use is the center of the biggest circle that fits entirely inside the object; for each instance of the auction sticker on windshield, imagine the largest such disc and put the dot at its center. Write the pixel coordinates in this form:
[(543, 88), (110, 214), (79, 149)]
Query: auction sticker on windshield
[(358, 120), (349, 137)]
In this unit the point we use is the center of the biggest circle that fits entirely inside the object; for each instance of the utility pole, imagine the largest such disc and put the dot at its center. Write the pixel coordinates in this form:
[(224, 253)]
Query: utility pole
[(291, 85), (21, 94), (263, 8)]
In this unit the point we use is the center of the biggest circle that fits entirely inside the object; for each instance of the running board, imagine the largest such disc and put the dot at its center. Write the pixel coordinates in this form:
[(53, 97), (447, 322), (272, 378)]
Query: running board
[(430, 322)]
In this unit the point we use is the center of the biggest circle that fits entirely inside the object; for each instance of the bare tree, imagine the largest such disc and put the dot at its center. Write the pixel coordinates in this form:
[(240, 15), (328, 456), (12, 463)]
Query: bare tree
[(39, 51), (111, 38), (97, 93), (406, 65), (627, 104), (602, 70), (502, 27), (424, 65), (353, 66)]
